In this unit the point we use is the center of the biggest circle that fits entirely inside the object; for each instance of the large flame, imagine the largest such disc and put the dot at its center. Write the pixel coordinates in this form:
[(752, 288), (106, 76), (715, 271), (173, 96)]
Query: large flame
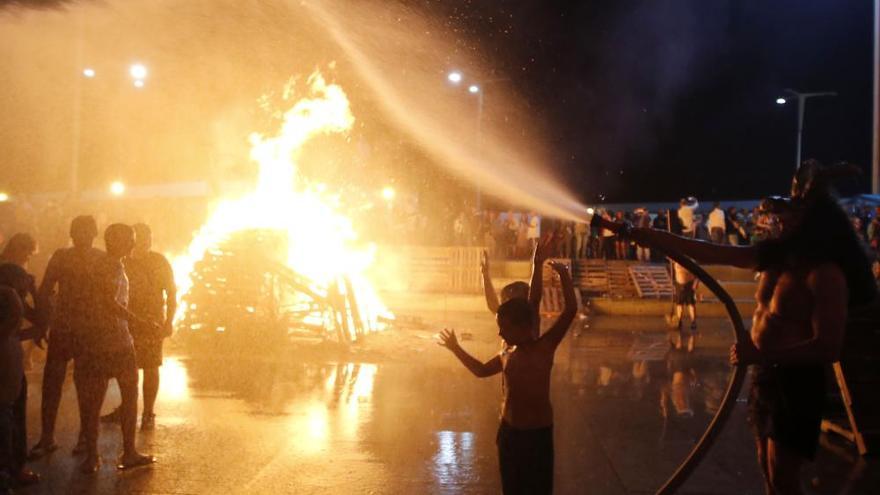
[(320, 238)]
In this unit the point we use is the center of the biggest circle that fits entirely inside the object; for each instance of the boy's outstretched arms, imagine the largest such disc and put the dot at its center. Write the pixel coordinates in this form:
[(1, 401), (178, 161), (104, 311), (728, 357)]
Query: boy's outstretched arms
[(480, 370), (557, 331), (491, 296)]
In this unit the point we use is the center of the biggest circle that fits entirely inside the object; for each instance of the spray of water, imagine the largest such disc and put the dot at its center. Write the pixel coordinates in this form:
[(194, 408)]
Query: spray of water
[(394, 52)]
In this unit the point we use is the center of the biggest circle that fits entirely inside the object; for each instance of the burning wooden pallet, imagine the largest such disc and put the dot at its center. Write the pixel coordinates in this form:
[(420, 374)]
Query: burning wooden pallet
[(243, 295)]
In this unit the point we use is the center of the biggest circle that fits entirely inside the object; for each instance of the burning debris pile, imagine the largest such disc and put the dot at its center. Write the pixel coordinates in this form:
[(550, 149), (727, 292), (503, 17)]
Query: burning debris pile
[(283, 259), (244, 295)]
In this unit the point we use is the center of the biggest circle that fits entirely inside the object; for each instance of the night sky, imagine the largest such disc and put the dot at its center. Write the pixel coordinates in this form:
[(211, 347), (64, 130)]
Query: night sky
[(635, 100), (649, 100)]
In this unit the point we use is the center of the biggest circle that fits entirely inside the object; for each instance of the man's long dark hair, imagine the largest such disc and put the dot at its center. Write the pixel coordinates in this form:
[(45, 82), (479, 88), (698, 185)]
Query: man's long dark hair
[(825, 235)]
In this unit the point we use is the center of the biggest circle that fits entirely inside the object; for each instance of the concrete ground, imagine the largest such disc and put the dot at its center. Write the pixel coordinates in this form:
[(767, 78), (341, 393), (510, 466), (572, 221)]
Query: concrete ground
[(398, 415)]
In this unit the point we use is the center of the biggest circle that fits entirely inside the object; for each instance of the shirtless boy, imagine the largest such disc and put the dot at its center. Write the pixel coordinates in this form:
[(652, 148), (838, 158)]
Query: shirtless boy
[(525, 435)]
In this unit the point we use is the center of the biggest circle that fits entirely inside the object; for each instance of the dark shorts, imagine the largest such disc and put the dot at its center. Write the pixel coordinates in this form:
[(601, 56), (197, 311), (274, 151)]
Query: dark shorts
[(526, 460), (684, 294), (148, 352), (62, 346), (785, 404), (106, 364)]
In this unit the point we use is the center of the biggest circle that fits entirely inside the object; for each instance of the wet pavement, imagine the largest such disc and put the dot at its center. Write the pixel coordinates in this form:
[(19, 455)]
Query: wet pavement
[(403, 417)]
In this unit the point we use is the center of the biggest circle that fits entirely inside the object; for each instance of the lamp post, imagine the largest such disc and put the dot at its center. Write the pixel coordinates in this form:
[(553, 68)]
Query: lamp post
[(478, 89), (802, 102)]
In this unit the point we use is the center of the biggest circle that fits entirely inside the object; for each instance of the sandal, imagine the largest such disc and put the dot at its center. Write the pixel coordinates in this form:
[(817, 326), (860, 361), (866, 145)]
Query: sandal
[(26, 477), (90, 466), (138, 460), (41, 450)]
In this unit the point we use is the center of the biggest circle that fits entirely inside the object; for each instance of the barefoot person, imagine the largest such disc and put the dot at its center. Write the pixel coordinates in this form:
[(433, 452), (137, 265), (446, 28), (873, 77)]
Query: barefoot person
[(685, 292), (153, 296), (107, 351), (68, 270), (806, 286), (525, 435)]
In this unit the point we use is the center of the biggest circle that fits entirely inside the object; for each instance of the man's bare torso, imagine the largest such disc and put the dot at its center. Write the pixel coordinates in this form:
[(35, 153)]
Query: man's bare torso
[(783, 315), (526, 385)]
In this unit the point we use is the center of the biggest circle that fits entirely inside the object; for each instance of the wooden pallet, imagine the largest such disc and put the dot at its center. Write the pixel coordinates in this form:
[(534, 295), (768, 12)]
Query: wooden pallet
[(620, 284), (553, 302), (651, 280), (591, 276)]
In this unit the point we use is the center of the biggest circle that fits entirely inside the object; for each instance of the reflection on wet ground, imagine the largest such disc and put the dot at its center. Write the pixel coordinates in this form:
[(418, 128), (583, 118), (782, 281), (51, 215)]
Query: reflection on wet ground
[(627, 411)]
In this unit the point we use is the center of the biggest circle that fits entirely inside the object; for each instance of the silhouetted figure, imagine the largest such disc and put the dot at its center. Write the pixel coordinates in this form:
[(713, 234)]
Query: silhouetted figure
[(17, 284), (525, 435), (68, 271), (108, 352), (685, 290), (153, 296)]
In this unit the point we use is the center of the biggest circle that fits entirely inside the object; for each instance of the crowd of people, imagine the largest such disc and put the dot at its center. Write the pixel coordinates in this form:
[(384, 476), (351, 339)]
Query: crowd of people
[(106, 311)]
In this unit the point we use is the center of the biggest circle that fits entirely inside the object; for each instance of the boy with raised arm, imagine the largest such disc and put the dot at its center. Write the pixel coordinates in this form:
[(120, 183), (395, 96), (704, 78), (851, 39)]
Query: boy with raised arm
[(525, 435)]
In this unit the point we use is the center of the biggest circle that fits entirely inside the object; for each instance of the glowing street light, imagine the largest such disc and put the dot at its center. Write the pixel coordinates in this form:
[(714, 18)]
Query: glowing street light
[(454, 77), (89, 72), (780, 101), (802, 103), (117, 188), (4, 197), (474, 89), (138, 71), (139, 83), (388, 193)]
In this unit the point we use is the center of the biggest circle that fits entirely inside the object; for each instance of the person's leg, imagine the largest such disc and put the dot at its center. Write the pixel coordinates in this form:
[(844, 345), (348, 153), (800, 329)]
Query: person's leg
[(761, 450), (127, 378), (53, 380), (540, 468), (93, 386), (151, 390), (7, 469), (506, 462), (784, 467), (679, 310)]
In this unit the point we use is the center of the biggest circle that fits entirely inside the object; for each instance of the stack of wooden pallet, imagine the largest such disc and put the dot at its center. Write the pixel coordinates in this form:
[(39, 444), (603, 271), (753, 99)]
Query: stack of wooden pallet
[(651, 280)]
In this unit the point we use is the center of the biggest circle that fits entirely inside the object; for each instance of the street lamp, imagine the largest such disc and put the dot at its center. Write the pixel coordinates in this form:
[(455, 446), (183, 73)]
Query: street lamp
[(117, 188), (138, 71), (802, 101), (454, 77), (473, 89), (89, 72), (4, 197), (388, 193)]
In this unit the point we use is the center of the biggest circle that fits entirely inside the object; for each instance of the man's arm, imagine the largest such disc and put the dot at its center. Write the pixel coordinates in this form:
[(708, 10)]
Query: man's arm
[(480, 370), (563, 323), (170, 298), (489, 289), (702, 252), (12, 312), (543, 249), (827, 285), (47, 287)]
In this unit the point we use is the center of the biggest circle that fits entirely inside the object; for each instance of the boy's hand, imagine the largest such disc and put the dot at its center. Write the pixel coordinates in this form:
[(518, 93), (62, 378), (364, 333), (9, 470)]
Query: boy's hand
[(448, 339), (545, 247), (561, 269), (484, 263), (744, 353)]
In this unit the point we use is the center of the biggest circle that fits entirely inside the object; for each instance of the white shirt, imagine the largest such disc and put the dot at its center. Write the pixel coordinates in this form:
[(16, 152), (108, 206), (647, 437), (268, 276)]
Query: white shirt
[(686, 215), (716, 219), (534, 227)]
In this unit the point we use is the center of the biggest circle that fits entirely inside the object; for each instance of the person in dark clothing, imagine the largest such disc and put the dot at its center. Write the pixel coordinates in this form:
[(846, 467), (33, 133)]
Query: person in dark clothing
[(68, 270), (16, 284)]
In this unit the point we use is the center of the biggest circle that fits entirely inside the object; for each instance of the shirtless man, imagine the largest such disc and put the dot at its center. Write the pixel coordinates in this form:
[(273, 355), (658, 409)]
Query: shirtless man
[(685, 285), (525, 435), (806, 286), (68, 270), (107, 351)]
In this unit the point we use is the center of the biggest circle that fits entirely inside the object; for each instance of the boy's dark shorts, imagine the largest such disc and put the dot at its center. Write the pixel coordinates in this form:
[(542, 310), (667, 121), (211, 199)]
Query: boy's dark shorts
[(526, 460), (785, 404), (685, 294)]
